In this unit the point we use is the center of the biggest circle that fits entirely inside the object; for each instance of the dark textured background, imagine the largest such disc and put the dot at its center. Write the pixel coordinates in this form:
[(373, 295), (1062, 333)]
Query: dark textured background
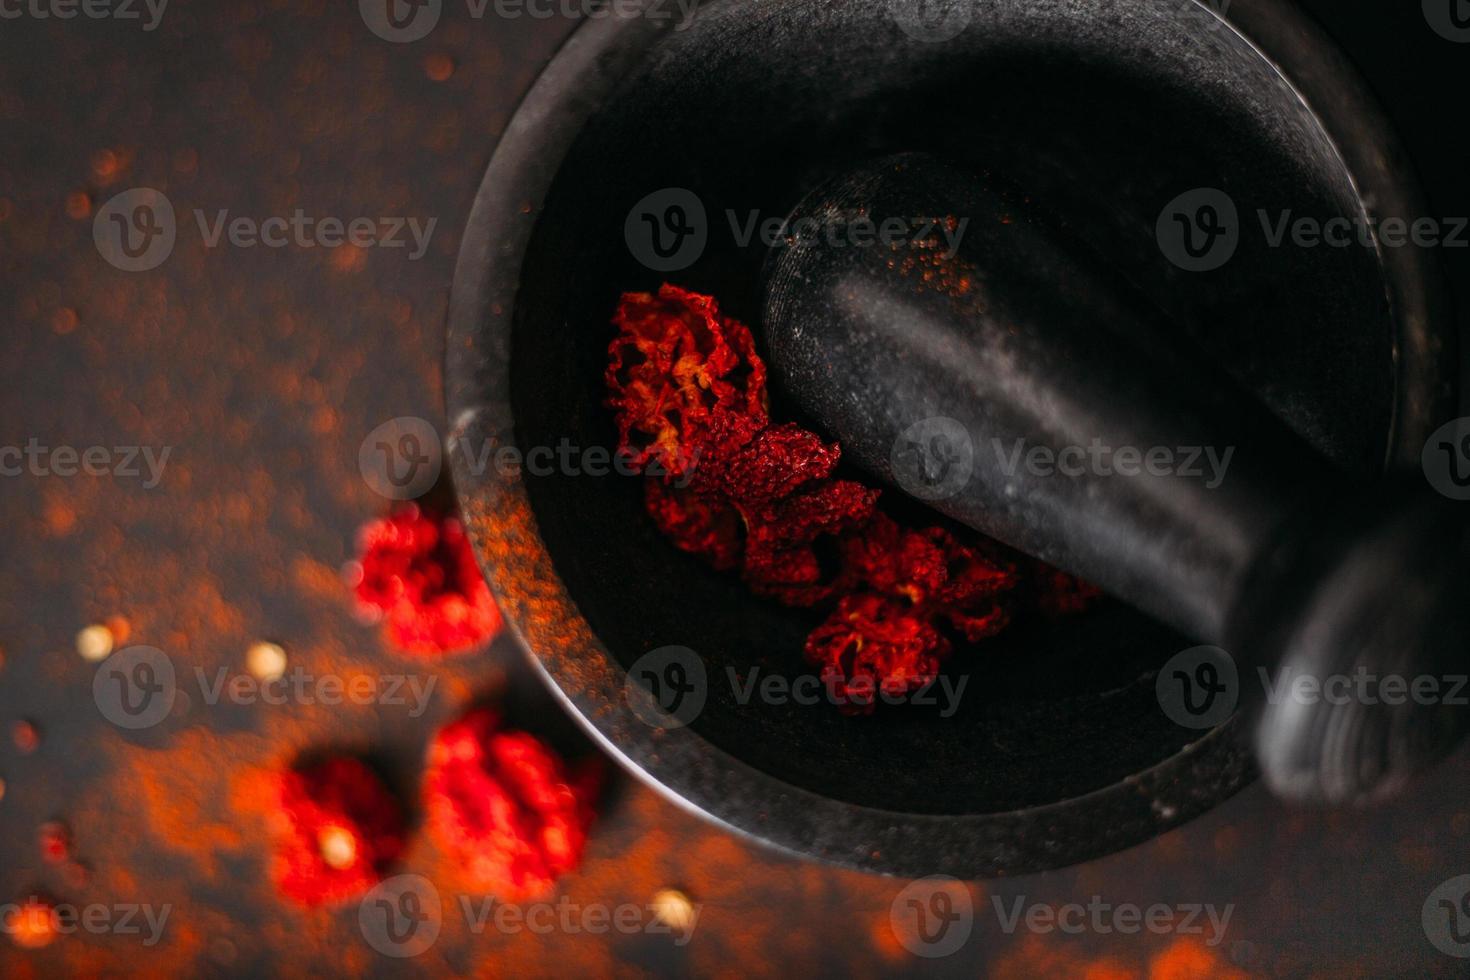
[(263, 369)]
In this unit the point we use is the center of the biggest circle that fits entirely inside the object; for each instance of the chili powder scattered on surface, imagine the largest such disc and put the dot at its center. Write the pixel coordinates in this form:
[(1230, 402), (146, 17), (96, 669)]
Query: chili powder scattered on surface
[(33, 924)]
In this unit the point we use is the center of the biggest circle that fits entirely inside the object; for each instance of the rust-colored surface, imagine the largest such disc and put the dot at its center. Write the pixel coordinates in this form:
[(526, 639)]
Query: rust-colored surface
[(263, 369)]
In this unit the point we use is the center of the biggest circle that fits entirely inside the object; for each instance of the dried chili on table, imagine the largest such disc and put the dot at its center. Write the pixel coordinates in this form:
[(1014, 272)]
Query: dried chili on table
[(337, 831), (417, 573), (507, 806)]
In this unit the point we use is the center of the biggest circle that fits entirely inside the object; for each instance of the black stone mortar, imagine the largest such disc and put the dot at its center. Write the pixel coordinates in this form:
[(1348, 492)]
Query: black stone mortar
[(1059, 751)]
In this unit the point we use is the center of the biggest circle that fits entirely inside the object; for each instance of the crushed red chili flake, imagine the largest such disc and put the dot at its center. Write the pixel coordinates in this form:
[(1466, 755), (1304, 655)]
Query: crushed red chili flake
[(941, 576), (507, 806), (874, 644), (778, 482), (1056, 592), (338, 830), (674, 362), (25, 736), (782, 558), (766, 468), (700, 523), (55, 841), (34, 924), (76, 874), (899, 561), (689, 392), (417, 572)]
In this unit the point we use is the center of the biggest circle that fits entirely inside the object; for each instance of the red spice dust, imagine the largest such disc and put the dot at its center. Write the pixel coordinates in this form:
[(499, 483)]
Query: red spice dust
[(337, 830), (1056, 592), (700, 523), (33, 925), (688, 391), (55, 841), (25, 736), (507, 806), (416, 571)]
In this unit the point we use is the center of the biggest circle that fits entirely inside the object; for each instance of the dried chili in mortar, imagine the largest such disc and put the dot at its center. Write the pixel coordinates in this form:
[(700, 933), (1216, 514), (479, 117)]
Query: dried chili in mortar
[(688, 392)]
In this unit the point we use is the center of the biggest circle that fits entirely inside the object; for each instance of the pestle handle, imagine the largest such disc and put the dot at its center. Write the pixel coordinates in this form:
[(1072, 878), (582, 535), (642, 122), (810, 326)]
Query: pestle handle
[(1005, 375)]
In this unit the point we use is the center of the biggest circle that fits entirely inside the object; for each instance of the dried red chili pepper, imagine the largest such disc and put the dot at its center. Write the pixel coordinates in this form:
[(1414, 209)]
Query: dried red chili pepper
[(701, 523), (782, 558), (874, 645), (975, 593), (417, 572), (337, 830), (1054, 591), (766, 468), (507, 806), (674, 362), (898, 561), (918, 580)]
